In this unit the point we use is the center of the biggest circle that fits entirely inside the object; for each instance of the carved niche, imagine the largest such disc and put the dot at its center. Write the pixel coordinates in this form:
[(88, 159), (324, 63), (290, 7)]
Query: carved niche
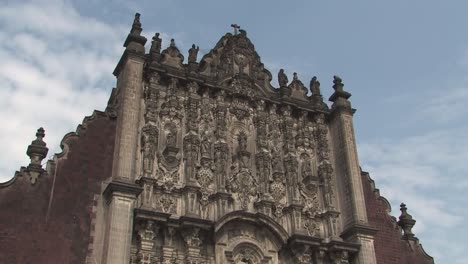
[(149, 144), (241, 180)]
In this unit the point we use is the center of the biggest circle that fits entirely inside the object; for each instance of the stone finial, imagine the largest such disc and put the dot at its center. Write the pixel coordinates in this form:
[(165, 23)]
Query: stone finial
[(37, 151), (339, 92), (135, 41), (136, 26), (337, 83), (406, 222), (172, 45)]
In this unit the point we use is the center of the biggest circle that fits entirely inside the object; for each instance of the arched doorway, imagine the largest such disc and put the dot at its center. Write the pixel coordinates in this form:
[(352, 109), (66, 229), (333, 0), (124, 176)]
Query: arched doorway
[(245, 238)]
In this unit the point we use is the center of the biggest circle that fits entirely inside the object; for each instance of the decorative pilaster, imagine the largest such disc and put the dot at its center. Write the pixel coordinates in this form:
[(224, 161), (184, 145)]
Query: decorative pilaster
[(193, 246), (121, 192), (145, 236), (353, 207)]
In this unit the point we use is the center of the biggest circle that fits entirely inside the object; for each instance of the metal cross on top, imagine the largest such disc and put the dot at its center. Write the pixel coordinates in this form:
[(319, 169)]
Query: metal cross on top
[(236, 27)]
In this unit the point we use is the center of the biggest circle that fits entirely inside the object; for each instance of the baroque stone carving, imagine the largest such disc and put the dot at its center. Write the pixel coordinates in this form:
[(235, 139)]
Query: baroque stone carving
[(193, 52), (282, 78), (169, 179), (220, 160), (191, 149), (242, 181), (167, 203), (205, 179), (146, 234), (312, 226), (149, 143)]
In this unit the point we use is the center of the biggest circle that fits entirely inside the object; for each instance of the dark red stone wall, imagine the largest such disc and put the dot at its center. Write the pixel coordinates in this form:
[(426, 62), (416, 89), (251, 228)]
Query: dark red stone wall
[(25, 236), (389, 247)]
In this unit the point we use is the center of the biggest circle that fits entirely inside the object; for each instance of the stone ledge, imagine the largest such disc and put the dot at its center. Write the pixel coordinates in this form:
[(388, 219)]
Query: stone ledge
[(358, 229), (123, 187)]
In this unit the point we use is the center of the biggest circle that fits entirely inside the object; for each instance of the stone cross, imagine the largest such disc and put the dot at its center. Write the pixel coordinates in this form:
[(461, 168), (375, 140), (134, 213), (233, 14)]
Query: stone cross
[(236, 27)]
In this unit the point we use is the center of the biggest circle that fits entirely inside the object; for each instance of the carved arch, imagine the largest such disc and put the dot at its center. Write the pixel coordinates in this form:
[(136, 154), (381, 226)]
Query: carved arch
[(275, 228)]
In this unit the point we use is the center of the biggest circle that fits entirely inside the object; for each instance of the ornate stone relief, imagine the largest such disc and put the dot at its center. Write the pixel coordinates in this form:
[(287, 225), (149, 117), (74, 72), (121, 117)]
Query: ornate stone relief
[(146, 235), (297, 88), (149, 144), (166, 203), (242, 181), (205, 179), (169, 179), (191, 149)]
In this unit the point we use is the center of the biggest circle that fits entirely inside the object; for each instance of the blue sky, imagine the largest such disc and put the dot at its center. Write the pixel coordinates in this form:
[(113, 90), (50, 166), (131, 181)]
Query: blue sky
[(405, 62)]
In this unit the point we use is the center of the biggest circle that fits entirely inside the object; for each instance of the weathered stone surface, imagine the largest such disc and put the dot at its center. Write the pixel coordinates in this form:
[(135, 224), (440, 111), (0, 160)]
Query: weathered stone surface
[(205, 163)]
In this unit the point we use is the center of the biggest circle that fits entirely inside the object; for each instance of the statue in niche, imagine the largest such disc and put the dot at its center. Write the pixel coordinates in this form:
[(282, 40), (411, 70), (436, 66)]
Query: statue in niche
[(171, 139), (242, 140), (282, 78), (276, 162), (193, 52), (243, 156), (206, 145), (191, 147), (148, 145), (171, 151), (306, 169)]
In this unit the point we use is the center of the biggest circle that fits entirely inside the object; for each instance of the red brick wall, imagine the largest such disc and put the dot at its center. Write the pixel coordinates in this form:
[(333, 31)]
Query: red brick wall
[(25, 237), (389, 247)]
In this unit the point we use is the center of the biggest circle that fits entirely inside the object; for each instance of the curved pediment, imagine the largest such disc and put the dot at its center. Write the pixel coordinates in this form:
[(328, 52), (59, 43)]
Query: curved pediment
[(234, 59)]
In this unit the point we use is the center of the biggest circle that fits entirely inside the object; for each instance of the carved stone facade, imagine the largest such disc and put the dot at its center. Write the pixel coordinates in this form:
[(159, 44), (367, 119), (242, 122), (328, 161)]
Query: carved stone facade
[(213, 164)]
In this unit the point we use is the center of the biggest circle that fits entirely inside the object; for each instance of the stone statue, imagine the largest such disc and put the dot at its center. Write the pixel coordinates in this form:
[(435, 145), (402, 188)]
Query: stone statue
[(148, 148), (242, 140), (156, 44), (306, 169), (193, 52), (171, 139), (206, 145), (315, 86), (282, 78)]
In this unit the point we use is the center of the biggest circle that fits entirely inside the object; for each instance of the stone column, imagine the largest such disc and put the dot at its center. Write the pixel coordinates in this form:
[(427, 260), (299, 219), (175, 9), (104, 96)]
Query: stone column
[(121, 192), (348, 176)]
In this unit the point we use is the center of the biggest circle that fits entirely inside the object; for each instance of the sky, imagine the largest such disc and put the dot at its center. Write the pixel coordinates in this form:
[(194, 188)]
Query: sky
[(404, 62)]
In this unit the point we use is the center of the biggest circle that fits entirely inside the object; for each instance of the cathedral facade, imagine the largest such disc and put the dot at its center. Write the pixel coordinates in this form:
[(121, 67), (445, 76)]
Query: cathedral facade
[(204, 162)]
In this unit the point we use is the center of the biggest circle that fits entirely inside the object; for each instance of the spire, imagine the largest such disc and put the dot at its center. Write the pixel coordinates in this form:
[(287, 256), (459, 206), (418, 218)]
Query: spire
[(406, 223), (135, 41)]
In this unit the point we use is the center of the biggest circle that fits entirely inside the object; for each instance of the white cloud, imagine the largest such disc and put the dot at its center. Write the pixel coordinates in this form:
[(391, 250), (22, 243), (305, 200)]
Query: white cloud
[(56, 68), (424, 172)]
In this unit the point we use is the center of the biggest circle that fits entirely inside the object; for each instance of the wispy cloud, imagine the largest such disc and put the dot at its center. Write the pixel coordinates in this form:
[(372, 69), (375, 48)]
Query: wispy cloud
[(56, 67), (428, 172)]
